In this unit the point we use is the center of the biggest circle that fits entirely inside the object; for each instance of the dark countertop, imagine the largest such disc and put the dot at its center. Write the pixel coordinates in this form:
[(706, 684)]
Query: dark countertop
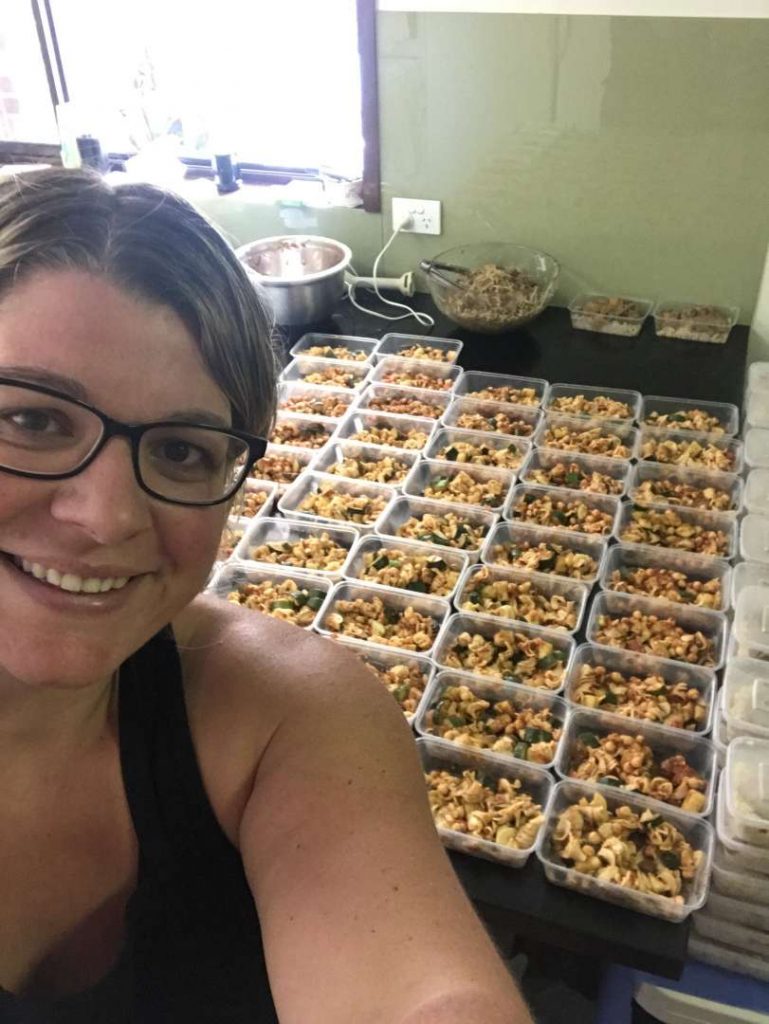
[(523, 901)]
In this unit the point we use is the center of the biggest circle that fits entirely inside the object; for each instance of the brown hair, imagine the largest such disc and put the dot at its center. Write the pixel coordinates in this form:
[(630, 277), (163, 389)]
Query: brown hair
[(158, 247)]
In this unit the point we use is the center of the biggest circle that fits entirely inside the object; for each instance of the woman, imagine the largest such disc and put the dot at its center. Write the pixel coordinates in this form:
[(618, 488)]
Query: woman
[(219, 821)]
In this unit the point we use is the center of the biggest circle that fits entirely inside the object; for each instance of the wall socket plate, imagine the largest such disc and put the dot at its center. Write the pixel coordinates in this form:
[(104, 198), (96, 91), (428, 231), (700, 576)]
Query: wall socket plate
[(425, 215)]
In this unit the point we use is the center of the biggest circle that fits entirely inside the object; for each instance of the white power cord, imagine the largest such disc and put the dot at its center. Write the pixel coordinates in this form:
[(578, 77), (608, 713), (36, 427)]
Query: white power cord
[(422, 318)]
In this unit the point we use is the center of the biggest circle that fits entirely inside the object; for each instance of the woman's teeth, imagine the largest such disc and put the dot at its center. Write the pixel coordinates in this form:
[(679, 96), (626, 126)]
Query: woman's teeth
[(68, 581)]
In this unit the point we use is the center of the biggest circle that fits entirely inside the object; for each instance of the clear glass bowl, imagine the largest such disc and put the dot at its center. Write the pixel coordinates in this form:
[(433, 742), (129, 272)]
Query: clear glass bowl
[(486, 299)]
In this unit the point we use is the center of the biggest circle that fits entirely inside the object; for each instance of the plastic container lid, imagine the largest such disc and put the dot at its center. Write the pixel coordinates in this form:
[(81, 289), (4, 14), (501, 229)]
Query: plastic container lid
[(746, 784), (744, 855), (746, 697), (754, 538), (757, 408), (756, 496), (758, 377), (757, 448), (751, 617), (749, 574)]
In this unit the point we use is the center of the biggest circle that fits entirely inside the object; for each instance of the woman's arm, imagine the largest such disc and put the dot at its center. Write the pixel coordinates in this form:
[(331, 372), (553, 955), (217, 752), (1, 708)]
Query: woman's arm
[(362, 916)]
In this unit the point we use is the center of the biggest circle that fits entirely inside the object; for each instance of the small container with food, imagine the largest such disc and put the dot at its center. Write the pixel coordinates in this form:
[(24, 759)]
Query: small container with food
[(757, 448), (482, 804), (255, 498), (545, 551), (668, 576), (491, 417), (751, 623), (407, 565), (665, 765), (408, 402), (681, 529), (593, 473), (294, 430), (282, 464), (517, 595), (595, 403), (311, 400), (285, 594), (623, 848), (319, 498), (479, 486), (409, 433), (609, 314), (421, 347), (435, 522), (231, 537), (482, 646), (382, 616), (582, 512), (365, 462), (328, 373), (749, 887), (746, 786), (742, 855), (647, 626), (652, 483), (640, 686), (298, 545), (719, 418), (487, 714), (686, 449), (473, 447), (746, 698), (610, 438), (404, 674), (502, 387), (754, 538), (335, 346), (693, 322), (411, 373)]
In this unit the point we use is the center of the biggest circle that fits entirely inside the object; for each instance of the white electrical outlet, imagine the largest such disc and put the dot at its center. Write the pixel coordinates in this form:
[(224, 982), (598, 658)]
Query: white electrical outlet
[(425, 215)]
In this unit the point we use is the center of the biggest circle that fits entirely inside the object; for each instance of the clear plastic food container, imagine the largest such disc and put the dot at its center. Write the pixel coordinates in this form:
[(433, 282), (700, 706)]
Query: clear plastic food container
[(601, 502), (351, 342), (727, 908), (744, 856), (663, 742), (626, 325), (697, 832), (476, 380), (303, 366), (731, 447), (642, 472), (720, 742), (393, 344), (445, 437), (746, 786), (627, 434), (310, 482), (492, 417), (327, 427), (439, 372), (385, 657), (235, 525), (713, 625), (337, 452), (721, 521), (454, 558), (632, 399), (435, 608), (756, 496), (494, 690), (438, 756), (252, 486), (728, 415), (487, 627), (754, 538), (546, 458), (746, 698), (312, 394), (549, 586), (751, 622), (628, 663), (757, 448), (715, 928), (757, 377), (748, 574), (623, 557), (757, 408), (405, 507), (410, 402), (511, 534), (727, 957), (268, 530), (430, 471), (747, 887), (303, 456), (359, 420), (234, 574), (684, 320)]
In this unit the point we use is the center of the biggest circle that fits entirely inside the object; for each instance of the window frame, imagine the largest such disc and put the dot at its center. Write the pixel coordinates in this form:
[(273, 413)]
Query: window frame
[(249, 172)]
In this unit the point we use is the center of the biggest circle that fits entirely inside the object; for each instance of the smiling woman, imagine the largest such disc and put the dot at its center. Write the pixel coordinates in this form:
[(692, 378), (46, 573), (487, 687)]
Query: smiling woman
[(208, 814)]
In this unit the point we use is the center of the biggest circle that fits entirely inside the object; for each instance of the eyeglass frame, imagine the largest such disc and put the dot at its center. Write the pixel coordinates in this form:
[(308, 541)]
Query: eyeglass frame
[(134, 433)]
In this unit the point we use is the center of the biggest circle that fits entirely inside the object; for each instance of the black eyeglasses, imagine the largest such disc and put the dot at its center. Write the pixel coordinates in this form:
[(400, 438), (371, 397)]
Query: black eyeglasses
[(45, 435)]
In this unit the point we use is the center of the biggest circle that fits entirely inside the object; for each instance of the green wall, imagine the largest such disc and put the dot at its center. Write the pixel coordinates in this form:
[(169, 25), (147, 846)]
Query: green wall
[(635, 150)]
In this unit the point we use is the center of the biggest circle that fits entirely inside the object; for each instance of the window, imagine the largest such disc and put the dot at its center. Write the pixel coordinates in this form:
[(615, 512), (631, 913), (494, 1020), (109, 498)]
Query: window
[(277, 83)]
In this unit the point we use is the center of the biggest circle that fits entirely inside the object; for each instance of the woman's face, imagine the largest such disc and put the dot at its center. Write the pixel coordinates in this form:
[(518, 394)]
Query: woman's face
[(136, 362)]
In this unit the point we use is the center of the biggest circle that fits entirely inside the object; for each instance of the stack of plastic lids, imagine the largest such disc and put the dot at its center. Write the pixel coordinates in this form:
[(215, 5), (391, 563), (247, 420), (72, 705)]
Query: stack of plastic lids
[(754, 540), (733, 928)]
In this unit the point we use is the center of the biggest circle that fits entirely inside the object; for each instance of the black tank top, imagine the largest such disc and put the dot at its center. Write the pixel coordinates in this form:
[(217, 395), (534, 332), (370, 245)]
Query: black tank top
[(193, 949)]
